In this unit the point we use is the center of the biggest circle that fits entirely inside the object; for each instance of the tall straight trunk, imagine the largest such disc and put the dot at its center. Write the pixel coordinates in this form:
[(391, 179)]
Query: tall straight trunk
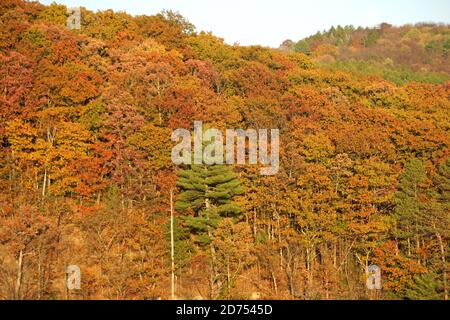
[(334, 254), (215, 273), (172, 246), (409, 247), (290, 273), (275, 286), (228, 276), (44, 183), (40, 272), (309, 265), (254, 223), (279, 242), (444, 264), (418, 249), (19, 276)]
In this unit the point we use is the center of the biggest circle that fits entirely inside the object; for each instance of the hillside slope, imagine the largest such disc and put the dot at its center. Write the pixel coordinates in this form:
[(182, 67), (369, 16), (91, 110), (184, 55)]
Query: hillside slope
[(401, 54), (86, 176)]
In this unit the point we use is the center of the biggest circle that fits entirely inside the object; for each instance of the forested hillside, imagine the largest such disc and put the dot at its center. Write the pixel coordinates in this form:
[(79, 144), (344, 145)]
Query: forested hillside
[(403, 54), (86, 176)]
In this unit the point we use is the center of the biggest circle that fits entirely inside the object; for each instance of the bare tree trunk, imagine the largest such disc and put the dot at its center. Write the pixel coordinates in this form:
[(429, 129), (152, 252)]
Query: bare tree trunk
[(309, 267), (40, 272), (19, 276), (418, 249), (228, 276), (409, 247), (290, 271), (172, 246), (215, 275), (279, 241), (254, 223), (334, 254), (275, 286), (44, 183), (444, 264)]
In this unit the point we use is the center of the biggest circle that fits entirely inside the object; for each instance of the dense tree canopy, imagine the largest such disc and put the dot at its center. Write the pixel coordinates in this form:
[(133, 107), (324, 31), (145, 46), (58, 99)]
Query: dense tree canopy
[(86, 176)]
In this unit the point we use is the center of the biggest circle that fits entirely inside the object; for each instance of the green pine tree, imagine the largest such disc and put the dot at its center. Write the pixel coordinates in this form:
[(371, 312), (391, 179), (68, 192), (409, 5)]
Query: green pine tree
[(425, 287), (439, 218), (408, 208), (209, 191), (303, 47), (422, 212)]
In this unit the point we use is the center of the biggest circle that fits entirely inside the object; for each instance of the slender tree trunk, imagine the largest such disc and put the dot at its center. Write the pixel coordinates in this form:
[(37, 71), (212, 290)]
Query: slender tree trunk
[(444, 264), (215, 273), (418, 249), (254, 223), (334, 254), (409, 247), (172, 247), (228, 276), (19, 276), (309, 266), (275, 286), (40, 272), (291, 281), (44, 183), (279, 242)]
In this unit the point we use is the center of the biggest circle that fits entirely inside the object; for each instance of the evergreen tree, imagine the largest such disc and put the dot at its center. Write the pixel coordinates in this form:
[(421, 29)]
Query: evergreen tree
[(425, 287), (408, 207), (422, 212), (209, 192), (439, 219), (303, 47)]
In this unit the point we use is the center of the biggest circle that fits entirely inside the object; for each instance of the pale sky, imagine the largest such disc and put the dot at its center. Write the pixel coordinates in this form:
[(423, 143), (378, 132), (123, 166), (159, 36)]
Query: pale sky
[(270, 22)]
